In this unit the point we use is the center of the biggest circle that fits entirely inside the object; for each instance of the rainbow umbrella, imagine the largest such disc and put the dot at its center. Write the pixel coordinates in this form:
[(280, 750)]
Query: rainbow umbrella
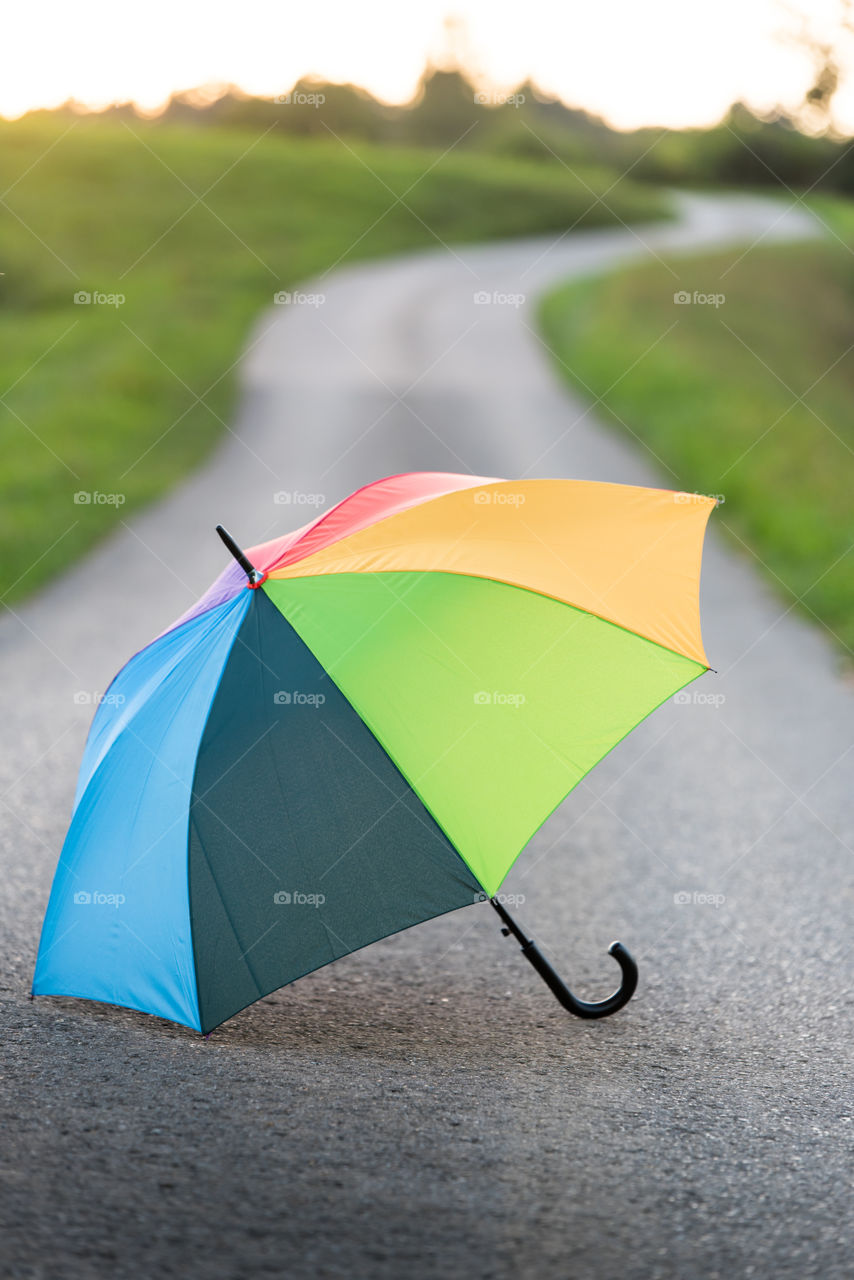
[(359, 727)]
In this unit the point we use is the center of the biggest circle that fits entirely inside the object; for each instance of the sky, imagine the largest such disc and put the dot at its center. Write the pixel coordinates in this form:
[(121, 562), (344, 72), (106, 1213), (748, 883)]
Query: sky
[(669, 62)]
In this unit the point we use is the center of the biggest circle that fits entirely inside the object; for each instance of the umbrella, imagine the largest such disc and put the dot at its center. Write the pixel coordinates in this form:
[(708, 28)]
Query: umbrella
[(359, 727)]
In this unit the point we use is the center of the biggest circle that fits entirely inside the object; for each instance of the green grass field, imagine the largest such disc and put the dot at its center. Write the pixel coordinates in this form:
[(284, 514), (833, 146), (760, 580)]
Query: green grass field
[(750, 399), (124, 399)]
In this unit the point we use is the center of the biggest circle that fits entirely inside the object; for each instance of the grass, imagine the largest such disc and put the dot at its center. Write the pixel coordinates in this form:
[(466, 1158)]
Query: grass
[(126, 399), (751, 399)]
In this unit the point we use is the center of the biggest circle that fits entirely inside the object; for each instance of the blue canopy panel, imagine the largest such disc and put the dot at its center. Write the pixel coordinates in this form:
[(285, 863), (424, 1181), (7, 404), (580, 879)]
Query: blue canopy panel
[(117, 927)]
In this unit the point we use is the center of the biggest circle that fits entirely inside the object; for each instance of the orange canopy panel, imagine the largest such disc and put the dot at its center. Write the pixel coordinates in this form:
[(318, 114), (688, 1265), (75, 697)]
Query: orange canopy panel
[(627, 554)]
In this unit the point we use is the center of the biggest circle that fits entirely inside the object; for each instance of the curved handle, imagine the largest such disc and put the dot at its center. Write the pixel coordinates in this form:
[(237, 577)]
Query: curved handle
[(561, 992), (587, 1008)]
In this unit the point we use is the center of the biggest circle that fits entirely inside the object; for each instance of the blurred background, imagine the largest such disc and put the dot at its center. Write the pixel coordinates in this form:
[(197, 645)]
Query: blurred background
[(253, 256), (164, 177)]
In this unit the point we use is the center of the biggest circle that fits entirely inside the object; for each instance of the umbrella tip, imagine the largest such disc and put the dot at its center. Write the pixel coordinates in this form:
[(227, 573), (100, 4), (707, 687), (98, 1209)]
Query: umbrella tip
[(241, 558)]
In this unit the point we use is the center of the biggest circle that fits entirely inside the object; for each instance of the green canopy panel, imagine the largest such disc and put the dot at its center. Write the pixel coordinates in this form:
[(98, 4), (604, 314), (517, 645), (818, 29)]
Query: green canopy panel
[(493, 701), (306, 842)]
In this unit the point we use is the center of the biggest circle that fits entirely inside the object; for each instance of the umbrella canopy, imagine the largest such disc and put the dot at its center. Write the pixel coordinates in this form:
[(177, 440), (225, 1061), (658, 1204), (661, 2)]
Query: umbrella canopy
[(365, 733)]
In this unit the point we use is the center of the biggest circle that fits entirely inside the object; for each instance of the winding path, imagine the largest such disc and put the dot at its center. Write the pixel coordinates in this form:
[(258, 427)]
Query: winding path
[(424, 1107)]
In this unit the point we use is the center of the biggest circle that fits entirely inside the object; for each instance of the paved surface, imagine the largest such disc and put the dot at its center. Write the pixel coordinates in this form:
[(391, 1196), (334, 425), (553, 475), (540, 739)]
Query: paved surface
[(424, 1108)]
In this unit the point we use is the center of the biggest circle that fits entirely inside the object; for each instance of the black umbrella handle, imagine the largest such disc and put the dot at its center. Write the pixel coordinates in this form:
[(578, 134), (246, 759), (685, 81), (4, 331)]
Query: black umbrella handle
[(581, 1008)]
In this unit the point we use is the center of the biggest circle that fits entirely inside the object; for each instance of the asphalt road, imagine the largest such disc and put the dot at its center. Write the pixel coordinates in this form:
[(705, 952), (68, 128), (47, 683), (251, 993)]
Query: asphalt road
[(424, 1108)]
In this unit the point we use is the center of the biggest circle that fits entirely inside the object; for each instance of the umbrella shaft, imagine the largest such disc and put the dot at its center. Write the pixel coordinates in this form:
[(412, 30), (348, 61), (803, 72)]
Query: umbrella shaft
[(510, 924)]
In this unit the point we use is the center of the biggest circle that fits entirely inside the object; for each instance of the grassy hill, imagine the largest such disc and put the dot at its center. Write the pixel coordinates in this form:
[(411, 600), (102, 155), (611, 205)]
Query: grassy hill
[(750, 398), (194, 230)]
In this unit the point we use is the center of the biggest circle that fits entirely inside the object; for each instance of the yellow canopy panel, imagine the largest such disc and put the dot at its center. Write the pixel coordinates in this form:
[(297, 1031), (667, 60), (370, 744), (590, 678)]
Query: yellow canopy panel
[(628, 554)]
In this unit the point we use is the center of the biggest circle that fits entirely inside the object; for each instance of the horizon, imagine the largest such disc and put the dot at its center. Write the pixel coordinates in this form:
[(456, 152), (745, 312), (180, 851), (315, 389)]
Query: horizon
[(670, 68), (202, 96)]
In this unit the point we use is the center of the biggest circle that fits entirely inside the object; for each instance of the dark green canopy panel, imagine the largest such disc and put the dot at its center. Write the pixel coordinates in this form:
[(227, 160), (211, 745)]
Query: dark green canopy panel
[(306, 842)]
